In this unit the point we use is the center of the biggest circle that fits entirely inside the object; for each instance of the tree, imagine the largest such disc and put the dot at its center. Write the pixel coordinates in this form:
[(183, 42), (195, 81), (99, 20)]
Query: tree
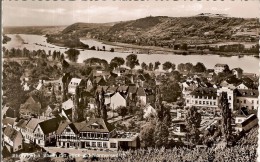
[(226, 117), (53, 96), (167, 65), (188, 66), (173, 67), (117, 61), (122, 111), (181, 67), (199, 67), (147, 134), (150, 66), (144, 66), (72, 54), (156, 65), (161, 134), (170, 91), (193, 120), (132, 61)]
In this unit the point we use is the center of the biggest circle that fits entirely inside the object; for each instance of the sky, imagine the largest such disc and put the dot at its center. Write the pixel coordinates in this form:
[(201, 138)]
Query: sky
[(54, 13)]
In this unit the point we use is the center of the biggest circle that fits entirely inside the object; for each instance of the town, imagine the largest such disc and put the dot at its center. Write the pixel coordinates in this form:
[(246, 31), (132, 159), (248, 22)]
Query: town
[(55, 108)]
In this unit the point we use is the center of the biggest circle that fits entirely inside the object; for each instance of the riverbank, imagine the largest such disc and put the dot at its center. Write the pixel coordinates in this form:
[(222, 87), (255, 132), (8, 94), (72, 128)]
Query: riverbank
[(160, 50)]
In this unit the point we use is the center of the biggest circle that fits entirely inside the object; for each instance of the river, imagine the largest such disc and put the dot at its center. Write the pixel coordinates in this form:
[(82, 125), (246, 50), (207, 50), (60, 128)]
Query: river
[(247, 63)]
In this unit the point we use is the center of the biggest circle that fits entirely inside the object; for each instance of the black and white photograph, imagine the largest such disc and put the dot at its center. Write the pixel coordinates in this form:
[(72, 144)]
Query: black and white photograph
[(130, 81)]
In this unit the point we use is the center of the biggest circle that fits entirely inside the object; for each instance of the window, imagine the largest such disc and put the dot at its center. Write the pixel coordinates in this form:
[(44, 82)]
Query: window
[(237, 100), (67, 130), (113, 145), (19, 147), (196, 102), (244, 101), (210, 103), (203, 102), (105, 144), (93, 144), (207, 102), (200, 102), (88, 144), (252, 107), (252, 101), (99, 144), (214, 103), (187, 101), (229, 97)]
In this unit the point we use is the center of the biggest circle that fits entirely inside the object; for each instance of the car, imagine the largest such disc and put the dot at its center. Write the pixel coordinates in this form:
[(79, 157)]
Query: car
[(85, 156)]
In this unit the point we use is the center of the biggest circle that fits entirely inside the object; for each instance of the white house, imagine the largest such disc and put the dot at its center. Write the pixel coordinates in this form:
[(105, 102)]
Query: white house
[(73, 84), (242, 86), (247, 98), (44, 132), (29, 128), (117, 100)]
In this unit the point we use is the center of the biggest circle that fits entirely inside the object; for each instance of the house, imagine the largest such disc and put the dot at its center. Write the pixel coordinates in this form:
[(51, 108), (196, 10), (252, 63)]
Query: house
[(67, 134), (247, 98), (44, 132), (29, 129), (243, 86), (203, 97), (117, 100), (149, 111), (21, 125), (13, 139), (31, 106), (219, 68), (141, 96), (74, 82), (226, 83), (250, 122), (26, 87), (188, 87), (40, 85), (238, 72)]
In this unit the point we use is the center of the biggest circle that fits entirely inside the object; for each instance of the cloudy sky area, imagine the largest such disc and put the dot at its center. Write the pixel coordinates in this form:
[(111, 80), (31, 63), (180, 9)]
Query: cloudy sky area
[(41, 13)]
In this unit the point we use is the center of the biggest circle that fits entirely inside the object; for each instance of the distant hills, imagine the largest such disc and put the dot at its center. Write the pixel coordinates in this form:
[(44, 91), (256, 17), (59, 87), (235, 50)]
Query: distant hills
[(159, 30)]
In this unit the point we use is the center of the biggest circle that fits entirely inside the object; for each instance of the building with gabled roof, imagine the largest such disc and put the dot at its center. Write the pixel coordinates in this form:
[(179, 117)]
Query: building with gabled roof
[(95, 133), (12, 139), (44, 132), (74, 82)]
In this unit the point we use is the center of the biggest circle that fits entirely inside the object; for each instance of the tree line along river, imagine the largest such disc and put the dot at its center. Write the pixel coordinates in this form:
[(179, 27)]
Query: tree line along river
[(34, 42)]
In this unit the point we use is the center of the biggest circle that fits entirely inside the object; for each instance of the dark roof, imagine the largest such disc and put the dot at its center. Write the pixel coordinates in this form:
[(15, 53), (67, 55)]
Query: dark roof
[(61, 127), (96, 125), (132, 89), (50, 125), (10, 132), (204, 91), (249, 119), (247, 93), (140, 91)]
